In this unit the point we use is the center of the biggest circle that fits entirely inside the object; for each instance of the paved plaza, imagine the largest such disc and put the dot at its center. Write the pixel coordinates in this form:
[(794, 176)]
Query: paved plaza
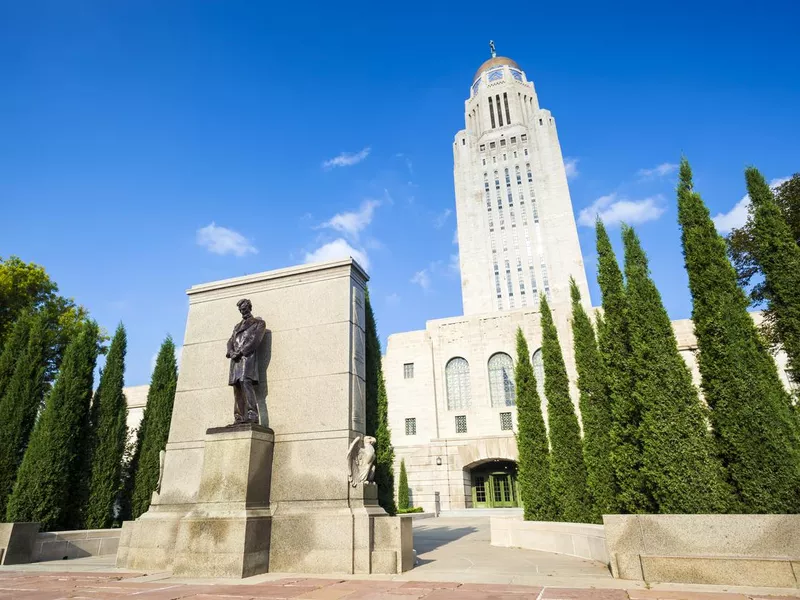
[(455, 561)]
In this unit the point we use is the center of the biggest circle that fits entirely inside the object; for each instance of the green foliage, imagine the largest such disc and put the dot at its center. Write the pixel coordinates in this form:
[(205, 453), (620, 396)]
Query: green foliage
[(533, 464), (153, 432), (567, 469), (778, 255), (377, 417), (750, 411), (377, 414), (28, 287), (742, 249), (21, 401), (679, 457), (595, 412), (109, 416), (403, 502), (13, 350), (614, 343), (407, 511), (48, 484)]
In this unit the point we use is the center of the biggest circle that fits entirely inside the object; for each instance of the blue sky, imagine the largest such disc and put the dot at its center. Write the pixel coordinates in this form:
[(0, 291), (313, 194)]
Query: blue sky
[(148, 146)]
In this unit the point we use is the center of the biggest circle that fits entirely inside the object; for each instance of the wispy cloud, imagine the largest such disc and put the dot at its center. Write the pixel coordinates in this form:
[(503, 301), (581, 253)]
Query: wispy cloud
[(661, 170), (613, 210), (221, 240), (393, 299), (422, 279), (352, 223), (407, 160), (336, 250), (441, 218), (737, 216), (571, 167), (346, 159), (455, 237)]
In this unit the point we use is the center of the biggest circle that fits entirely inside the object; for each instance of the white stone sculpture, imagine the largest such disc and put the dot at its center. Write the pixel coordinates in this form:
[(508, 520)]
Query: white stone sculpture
[(361, 460)]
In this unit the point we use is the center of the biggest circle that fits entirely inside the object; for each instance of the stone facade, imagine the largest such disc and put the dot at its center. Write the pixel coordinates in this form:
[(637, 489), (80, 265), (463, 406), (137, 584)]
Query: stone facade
[(443, 434)]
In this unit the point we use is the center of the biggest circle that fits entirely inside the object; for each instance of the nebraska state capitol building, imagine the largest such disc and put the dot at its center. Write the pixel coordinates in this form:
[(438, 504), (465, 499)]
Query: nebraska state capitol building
[(451, 386)]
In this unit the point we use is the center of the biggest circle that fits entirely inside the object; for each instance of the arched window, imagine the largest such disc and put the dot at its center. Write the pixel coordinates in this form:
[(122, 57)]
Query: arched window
[(501, 380), (456, 374), (538, 372)]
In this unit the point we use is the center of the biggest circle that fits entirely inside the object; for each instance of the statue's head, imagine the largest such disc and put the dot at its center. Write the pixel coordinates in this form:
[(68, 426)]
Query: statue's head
[(368, 439), (245, 307)]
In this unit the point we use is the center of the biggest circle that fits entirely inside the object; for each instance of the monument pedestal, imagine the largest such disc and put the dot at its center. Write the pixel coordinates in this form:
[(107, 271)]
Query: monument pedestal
[(227, 534)]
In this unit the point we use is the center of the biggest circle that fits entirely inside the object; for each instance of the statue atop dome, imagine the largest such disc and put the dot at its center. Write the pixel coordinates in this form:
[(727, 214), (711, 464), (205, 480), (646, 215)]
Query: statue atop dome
[(491, 48)]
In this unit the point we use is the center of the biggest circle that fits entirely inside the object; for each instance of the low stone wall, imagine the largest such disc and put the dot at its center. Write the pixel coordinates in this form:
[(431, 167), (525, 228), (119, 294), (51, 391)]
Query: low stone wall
[(752, 550), (58, 545), (575, 539)]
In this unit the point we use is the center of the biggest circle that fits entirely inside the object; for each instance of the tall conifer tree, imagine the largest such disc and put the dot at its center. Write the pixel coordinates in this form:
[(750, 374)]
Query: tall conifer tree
[(533, 464), (750, 411), (377, 417), (153, 432), (14, 348), (109, 431), (20, 404), (778, 255), (614, 345), (567, 469), (403, 501), (595, 411), (49, 480), (679, 457)]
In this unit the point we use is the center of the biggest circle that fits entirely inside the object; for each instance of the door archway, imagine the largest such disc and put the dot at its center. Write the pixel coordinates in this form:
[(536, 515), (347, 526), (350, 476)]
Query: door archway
[(494, 484)]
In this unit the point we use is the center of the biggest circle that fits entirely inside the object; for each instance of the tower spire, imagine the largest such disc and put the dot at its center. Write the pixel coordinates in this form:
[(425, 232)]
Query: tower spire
[(491, 48)]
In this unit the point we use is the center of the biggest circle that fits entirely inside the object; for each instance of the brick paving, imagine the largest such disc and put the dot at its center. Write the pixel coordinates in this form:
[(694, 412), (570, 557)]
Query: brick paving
[(22, 585)]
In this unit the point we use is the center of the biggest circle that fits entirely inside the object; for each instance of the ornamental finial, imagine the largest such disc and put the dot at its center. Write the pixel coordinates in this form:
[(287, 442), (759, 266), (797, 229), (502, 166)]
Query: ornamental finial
[(491, 48)]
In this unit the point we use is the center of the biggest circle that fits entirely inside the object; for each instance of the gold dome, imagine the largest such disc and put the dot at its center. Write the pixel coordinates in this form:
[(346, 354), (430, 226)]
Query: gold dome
[(496, 61)]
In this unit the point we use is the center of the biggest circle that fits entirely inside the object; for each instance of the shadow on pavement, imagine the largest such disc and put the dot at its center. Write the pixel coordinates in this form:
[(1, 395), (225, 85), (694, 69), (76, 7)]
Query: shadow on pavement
[(428, 539)]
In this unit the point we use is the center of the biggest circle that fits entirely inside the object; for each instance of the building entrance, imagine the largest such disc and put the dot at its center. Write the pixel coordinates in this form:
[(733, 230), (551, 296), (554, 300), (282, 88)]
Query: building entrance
[(494, 484)]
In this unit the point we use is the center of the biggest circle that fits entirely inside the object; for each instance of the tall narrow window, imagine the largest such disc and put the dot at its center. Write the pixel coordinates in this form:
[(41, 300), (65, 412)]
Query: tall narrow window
[(408, 371), (501, 380), (456, 374), (491, 112), (538, 373), (499, 111), (545, 282), (508, 114)]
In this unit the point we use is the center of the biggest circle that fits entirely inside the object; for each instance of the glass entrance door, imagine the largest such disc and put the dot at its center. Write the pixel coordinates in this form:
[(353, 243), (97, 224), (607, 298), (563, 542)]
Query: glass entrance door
[(494, 487), (502, 490)]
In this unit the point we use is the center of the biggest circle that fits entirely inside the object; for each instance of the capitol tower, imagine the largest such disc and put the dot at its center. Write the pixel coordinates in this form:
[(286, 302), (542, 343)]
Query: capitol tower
[(516, 230)]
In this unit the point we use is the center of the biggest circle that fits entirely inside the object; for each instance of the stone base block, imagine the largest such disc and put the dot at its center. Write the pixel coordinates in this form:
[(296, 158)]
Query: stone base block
[(148, 544), (223, 546), (17, 542), (717, 570)]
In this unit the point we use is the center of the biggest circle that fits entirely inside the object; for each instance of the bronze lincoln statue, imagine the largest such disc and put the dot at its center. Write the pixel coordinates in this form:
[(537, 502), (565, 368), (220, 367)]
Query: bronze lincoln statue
[(242, 347)]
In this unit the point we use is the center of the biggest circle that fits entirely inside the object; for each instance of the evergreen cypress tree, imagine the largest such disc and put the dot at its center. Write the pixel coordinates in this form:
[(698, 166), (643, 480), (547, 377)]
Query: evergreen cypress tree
[(20, 404), (679, 457), (533, 464), (14, 348), (567, 469), (47, 490), (778, 255), (595, 412), (403, 502), (377, 417), (109, 431), (750, 411), (154, 430), (614, 343)]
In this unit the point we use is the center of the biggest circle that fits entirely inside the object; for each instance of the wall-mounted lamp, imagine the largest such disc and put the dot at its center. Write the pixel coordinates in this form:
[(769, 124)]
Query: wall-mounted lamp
[(438, 461)]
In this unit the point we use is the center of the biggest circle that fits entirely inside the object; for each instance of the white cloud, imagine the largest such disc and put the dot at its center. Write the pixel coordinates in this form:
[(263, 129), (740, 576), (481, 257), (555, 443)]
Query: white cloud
[(441, 219), (660, 171), (422, 279), (571, 167), (346, 159), (336, 250), (455, 264), (737, 216), (221, 240), (613, 210), (393, 299), (352, 223)]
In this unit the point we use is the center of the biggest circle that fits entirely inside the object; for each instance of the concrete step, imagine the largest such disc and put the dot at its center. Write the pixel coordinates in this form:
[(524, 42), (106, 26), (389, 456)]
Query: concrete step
[(481, 512)]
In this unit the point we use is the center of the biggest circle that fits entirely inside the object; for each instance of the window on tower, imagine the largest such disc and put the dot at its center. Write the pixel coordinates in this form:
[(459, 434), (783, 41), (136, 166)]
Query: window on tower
[(524, 137), (492, 145), (491, 114), (499, 111), (508, 114), (513, 140), (502, 142), (483, 147)]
